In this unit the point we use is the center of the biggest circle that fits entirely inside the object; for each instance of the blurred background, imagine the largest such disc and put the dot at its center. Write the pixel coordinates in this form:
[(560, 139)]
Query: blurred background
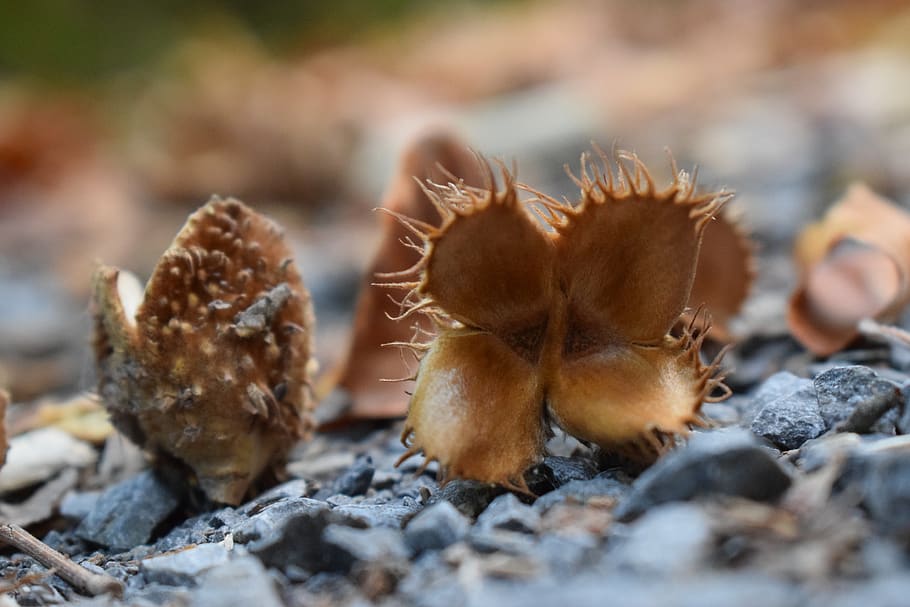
[(118, 119)]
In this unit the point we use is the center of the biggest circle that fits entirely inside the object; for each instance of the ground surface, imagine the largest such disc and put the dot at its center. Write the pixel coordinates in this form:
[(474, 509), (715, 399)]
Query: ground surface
[(799, 494)]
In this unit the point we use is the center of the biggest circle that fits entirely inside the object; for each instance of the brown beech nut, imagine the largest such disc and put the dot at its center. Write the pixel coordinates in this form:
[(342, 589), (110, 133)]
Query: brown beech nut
[(564, 317), (210, 366)]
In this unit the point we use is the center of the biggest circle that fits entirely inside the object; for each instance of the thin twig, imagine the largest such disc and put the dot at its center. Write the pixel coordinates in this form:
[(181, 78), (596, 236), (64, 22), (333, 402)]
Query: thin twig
[(890, 333), (84, 581)]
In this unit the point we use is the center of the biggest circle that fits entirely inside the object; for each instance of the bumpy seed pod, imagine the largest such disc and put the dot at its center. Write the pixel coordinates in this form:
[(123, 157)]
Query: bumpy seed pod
[(567, 318), (210, 366), (854, 264)]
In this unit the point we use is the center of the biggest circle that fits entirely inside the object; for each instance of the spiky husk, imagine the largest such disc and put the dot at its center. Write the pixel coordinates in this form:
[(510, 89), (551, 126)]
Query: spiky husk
[(577, 304), (724, 275)]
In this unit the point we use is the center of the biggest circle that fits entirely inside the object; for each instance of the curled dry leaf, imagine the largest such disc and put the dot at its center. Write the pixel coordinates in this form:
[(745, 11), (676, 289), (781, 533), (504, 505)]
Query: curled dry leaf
[(4, 444), (211, 366), (435, 157), (854, 264), (567, 318)]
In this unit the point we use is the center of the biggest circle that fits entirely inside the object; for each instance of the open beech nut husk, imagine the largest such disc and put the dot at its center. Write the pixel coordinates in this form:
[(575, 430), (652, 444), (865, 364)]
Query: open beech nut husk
[(437, 157), (565, 316), (210, 366), (723, 276), (854, 264)]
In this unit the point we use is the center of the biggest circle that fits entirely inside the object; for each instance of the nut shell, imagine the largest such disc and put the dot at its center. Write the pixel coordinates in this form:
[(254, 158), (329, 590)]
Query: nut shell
[(213, 368), (566, 317)]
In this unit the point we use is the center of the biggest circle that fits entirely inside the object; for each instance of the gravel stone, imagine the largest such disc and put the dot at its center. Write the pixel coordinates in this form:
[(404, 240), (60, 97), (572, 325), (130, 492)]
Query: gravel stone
[(605, 485), (431, 583), (290, 489), (567, 469), (790, 420), (127, 513), (889, 591), (470, 497), (151, 595), (508, 513), (356, 479), (856, 397), (777, 386), (393, 514), (500, 541), (196, 530), (723, 462), (671, 539), (239, 583), (273, 518), (436, 527), (884, 480), (299, 543), (76, 505), (184, 567), (567, 555), (595, 590), (721, 413), (368, 545)]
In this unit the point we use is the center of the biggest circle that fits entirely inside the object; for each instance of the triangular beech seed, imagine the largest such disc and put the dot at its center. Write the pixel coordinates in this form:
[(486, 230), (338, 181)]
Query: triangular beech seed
[(213, 369), (570, 324)]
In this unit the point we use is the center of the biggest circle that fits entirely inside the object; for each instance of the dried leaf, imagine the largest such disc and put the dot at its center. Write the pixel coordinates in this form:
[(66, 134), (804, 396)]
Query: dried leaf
[(854, 264), (433, 157), (566, 318), (213, 366)]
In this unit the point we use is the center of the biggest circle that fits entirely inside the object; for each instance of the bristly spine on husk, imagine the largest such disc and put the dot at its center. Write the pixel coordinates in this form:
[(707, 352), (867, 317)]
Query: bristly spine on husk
[(554, 319)]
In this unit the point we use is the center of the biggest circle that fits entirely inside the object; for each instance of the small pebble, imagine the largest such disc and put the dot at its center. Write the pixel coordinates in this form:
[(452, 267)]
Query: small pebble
[(436, 527)]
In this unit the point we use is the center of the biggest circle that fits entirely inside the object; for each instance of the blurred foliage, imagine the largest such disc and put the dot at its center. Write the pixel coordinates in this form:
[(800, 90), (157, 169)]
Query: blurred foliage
[(80, 41)]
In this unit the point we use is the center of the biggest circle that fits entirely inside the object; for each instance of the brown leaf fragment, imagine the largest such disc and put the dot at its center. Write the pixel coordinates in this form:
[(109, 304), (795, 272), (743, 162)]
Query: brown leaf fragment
[(570, 324), (854, 264), (210, 366), (435, 157), (4, 444)]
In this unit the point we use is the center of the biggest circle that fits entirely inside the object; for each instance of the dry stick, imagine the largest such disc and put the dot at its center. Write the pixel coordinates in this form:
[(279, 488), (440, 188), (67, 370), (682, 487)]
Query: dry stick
[(871, 328), (83, 580)]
